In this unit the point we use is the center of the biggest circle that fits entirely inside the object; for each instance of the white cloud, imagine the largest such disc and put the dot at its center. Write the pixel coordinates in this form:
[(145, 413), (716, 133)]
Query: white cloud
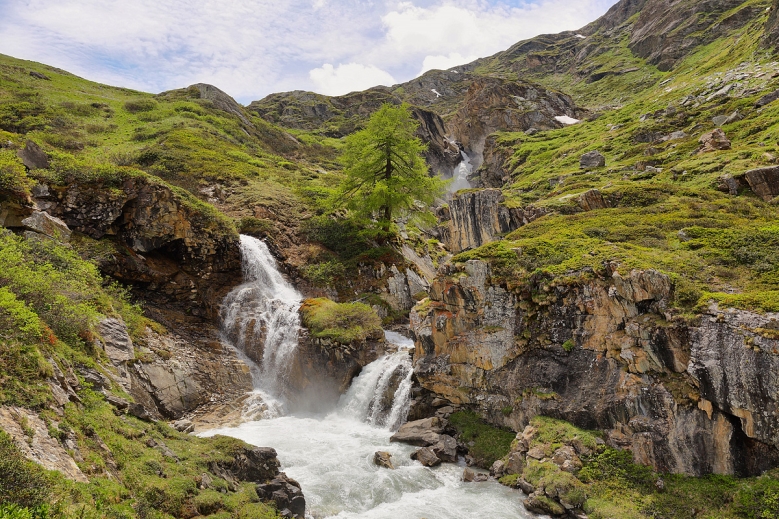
[(251, 48), (348, 78), (445, 62)]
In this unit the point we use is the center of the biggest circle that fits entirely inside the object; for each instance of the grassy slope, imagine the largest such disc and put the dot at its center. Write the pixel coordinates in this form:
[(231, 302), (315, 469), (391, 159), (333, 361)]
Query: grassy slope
[(715, 245)]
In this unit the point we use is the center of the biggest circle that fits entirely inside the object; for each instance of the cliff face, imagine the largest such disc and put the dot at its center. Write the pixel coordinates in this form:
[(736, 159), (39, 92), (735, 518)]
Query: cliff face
[(604, 353), (161, 244), (474, 218)]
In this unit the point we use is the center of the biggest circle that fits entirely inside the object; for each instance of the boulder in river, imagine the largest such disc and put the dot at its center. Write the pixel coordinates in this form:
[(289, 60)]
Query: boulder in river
[(422, 433), (382, 459), (426, 457)]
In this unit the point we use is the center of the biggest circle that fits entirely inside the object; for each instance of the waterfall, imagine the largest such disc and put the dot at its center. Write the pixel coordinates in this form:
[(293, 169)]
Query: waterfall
[(380, 395), (260, 319), (461, 173)]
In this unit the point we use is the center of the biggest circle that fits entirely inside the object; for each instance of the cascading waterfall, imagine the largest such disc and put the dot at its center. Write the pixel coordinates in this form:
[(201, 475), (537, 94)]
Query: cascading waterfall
[(260, 318), (464, 169), (380, 396)]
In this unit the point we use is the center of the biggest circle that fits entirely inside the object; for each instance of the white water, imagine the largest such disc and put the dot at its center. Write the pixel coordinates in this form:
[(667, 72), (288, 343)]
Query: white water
[(332, 458), (261, 316), (461, 173)]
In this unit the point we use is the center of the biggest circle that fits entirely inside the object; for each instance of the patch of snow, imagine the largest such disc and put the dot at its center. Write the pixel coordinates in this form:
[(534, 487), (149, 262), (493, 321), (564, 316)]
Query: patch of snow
[(435, 92), (581, 36), (566, 120)]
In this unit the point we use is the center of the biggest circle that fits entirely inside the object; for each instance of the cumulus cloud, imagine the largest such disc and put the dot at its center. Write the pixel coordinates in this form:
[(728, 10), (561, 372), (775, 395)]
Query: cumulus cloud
[(251, 48), (348, 78)]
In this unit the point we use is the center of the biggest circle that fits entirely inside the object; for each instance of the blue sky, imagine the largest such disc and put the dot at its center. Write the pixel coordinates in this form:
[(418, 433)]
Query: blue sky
[(251, 48)]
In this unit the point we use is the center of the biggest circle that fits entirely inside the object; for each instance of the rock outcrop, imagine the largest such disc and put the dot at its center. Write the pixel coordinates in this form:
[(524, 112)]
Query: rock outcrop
[(474, 218), (764, 182), (162, 244), (493, 104), (606, 354)]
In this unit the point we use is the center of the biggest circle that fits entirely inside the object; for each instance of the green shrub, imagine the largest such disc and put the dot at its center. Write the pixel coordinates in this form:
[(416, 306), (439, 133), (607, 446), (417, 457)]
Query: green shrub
[(490, 443), (140, 105), (341, 322), (324, 274), (13, 176), (22, 482)]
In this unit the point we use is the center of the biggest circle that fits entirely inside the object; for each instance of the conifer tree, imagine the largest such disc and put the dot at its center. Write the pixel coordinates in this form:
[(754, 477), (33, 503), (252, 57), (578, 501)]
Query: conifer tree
[(386, 175)]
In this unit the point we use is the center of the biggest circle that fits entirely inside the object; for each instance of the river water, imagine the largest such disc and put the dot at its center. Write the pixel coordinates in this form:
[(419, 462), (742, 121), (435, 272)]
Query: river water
[(331, 454)]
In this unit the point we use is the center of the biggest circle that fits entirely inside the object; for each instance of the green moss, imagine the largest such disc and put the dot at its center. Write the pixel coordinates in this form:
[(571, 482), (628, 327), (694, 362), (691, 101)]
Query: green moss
[(341, 322), (509, 480), (553, 431), (489, 443)]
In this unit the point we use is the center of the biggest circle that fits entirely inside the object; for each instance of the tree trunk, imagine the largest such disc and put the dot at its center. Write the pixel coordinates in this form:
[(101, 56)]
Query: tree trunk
[(386, 209)]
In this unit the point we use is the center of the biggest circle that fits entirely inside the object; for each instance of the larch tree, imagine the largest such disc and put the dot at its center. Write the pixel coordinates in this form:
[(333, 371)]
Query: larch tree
[(386, 175)]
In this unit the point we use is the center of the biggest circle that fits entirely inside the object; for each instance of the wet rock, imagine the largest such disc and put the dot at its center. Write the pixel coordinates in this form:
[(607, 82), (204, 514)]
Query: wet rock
[(426, 457), (33, 157), (713, 141), (764, 182), (44, 223), (383, 459), (526, 487), (592, 159), (592, 200), (468, 475), (423, 433)]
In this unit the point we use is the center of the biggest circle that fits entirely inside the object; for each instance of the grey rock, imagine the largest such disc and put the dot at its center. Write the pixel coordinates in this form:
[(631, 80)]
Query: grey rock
[(423, 433), (515, 463), (479, 217), (676, 136), (526, 487), (117, 342), (537, 453), (38, 75), (426, 457), (592, 159), (222, 101), (140, 412), (767, 99), (446, 448), (33, 157), (286, 493), (184, 426), (497, 469), (468, 475), (205, 481), (383, 459), (44, 223)]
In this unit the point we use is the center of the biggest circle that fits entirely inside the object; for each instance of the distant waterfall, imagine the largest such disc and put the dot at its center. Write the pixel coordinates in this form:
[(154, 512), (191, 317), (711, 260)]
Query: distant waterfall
[(260, 318), (380, 395), (464, 169)]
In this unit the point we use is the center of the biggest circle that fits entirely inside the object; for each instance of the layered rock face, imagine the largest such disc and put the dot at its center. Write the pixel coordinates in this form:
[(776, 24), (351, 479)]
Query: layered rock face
[(604, 352), (474, 218), (163, 245)]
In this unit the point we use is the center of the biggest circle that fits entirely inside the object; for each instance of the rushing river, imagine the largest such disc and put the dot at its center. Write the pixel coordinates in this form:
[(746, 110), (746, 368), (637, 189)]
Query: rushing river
[(331, 454)]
